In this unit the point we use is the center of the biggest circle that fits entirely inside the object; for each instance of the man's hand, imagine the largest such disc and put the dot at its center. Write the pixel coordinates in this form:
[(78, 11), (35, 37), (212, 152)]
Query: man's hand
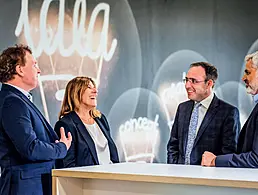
[(208, 159), (66, 140)]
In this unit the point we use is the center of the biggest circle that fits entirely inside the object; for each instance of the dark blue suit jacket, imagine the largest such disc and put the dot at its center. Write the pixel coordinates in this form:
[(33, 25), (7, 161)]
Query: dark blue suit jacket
[(82, 151), (218, 132), (247, 148), (27, 149)]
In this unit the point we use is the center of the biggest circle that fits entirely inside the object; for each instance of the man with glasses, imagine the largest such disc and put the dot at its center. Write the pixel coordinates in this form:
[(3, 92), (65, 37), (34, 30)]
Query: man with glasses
[(203, 123), (246, 155)]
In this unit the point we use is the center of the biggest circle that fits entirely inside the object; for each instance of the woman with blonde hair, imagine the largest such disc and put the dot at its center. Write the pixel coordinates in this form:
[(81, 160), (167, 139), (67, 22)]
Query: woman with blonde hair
[(92, 143)]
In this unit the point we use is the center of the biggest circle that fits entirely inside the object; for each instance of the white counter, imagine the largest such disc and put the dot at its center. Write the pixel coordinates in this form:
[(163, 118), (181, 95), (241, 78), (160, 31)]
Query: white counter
[(138, 178)]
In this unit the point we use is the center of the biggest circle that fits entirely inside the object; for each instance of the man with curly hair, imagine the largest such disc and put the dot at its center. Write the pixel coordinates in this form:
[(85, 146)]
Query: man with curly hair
[(29, 146)]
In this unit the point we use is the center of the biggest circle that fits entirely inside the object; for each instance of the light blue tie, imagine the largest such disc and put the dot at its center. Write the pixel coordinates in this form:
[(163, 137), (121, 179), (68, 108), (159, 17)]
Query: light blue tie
[(192, 133)]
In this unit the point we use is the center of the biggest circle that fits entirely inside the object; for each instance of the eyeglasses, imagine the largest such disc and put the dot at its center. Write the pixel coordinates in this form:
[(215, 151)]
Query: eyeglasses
[(192, 80)]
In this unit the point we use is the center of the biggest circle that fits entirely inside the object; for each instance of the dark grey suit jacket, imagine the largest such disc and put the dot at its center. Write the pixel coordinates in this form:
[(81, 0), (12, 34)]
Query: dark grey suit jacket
[(218, 132)]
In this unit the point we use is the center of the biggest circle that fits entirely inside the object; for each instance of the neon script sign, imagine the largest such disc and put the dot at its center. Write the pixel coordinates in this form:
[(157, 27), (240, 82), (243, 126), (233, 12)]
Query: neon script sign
[(51, 40), (82, 40)]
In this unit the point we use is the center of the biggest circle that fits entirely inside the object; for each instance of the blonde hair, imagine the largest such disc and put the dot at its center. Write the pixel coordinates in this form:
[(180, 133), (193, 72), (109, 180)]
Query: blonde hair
[(73, 96)]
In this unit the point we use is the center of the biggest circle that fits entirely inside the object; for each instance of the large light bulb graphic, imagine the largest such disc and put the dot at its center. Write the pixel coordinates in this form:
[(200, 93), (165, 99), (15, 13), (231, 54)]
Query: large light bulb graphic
[(66, 46), (138, 138)]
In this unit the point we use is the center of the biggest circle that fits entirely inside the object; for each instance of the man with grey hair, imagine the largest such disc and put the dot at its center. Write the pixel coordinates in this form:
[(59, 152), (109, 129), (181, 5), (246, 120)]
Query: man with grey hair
[(247, 149)]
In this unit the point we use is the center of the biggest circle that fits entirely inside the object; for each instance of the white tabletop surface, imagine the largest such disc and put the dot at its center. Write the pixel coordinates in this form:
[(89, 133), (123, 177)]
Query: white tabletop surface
[(169, 170)]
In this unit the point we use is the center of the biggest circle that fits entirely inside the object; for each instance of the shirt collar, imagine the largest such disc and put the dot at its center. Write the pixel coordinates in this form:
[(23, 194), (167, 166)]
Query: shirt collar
[(26, 93), (207, 101), (255, 97)]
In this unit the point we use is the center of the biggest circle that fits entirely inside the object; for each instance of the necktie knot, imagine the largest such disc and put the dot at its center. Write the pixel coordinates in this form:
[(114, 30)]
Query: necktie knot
[(197, 105)]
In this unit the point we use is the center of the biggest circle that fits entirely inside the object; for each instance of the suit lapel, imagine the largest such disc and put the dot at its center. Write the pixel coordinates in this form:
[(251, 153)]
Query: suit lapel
[(85, 134), (43, 120), (212, 110)]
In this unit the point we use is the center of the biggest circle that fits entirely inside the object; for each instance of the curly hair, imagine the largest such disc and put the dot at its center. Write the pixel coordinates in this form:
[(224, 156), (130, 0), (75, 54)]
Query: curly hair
[(9, 59)]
